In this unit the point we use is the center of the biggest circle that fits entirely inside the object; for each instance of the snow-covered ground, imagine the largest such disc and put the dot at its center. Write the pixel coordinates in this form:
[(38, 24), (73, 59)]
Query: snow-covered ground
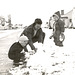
[(51, 59), (4, 33)]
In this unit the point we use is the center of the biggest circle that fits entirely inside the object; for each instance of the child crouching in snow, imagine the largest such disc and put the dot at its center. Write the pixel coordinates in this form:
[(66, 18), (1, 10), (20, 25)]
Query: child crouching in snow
[(15, 51)]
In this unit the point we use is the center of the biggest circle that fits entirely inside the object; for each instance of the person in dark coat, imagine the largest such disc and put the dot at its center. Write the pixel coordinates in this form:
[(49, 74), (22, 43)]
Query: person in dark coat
[(16, 49), (34, 33), (58, 29)]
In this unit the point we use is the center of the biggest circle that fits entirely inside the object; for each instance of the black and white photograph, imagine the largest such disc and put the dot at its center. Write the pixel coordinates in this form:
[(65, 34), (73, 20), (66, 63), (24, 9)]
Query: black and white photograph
[(37, 37)]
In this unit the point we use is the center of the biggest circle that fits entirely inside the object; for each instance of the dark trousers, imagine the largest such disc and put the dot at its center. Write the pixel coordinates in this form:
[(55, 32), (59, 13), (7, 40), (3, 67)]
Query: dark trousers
[(57, 41), (35, 39), (56, 38), (16, 56)]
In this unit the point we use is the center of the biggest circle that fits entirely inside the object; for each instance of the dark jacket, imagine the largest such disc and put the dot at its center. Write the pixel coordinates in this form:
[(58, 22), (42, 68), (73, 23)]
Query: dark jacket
[(29, 32), (16, 48), (60, 26)]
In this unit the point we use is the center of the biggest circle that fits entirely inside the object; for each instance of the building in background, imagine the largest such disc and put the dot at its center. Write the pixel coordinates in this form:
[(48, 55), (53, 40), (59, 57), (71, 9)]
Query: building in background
[(69, 18), (73, 17)]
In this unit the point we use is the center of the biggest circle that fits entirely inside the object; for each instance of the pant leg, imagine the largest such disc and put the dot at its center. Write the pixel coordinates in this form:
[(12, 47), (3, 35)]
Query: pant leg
[(11, 56), (34, 39), (56, 37), (16, 56)]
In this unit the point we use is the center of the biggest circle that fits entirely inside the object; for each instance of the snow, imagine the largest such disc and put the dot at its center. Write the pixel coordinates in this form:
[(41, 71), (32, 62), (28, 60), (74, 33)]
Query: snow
[(4, 33), (51, 59)]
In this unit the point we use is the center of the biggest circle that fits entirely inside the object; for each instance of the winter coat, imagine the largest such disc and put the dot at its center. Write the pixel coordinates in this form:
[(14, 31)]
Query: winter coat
[(15, 49), (59, 27), (29, 32)]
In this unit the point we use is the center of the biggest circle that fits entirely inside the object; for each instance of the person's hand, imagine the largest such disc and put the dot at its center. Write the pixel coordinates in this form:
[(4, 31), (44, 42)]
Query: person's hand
[(31, 52), (50, 37)]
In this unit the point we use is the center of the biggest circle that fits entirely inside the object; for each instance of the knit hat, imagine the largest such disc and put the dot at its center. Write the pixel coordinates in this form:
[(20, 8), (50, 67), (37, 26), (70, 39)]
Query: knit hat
[(23, 38), (38, 21), (57, 14)]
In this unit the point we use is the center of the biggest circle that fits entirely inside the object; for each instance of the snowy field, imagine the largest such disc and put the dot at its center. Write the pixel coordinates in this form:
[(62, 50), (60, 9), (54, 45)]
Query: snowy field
[(51, 59)]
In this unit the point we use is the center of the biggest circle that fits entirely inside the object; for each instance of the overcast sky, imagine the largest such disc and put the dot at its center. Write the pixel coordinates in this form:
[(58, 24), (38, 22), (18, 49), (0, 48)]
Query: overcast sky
[(25, 11)]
